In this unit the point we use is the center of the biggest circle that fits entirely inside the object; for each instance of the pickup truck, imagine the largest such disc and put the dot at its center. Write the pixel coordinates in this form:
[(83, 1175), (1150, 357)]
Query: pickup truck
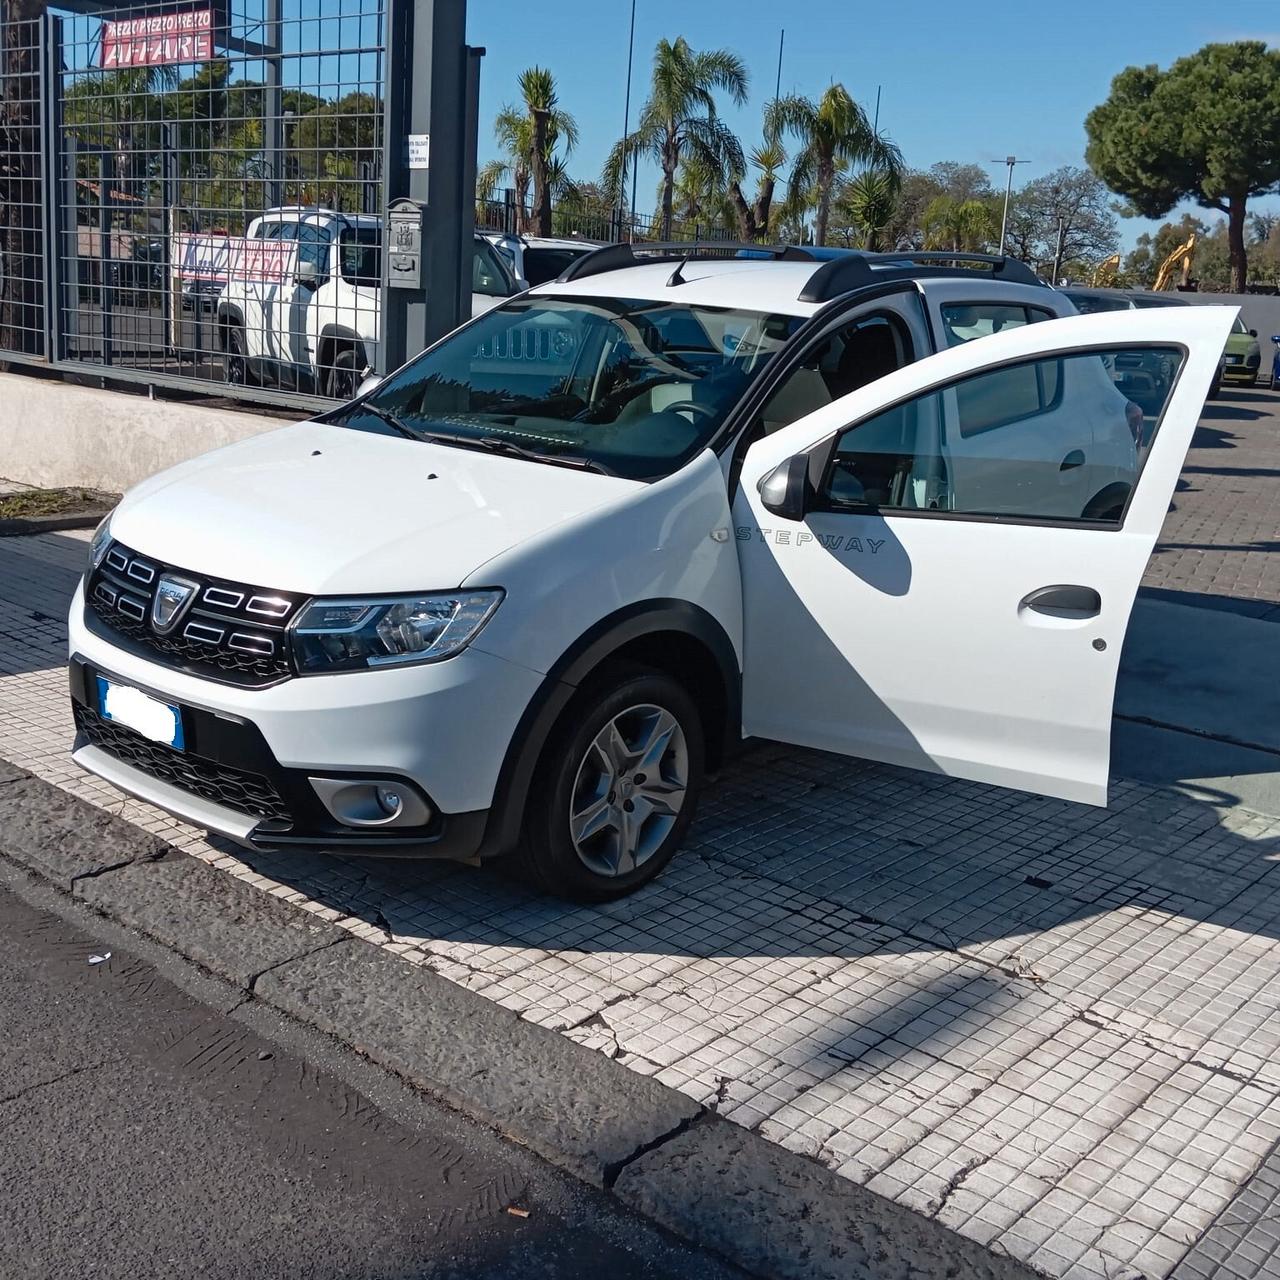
[(316, 329)]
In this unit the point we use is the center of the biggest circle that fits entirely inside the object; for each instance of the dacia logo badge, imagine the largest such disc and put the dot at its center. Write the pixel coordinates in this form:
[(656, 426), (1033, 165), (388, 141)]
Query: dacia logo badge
[(171, 601)]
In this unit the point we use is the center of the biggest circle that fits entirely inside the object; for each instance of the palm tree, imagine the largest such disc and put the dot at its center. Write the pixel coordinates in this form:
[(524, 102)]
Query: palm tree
[(679, 118), (753, 218), (834, 134), (528, 139), (868, 201), (959, 225)]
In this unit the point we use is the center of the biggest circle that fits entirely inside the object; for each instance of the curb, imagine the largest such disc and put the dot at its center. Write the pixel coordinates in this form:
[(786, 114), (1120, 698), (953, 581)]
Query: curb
[(765, 1209), (23, 526)]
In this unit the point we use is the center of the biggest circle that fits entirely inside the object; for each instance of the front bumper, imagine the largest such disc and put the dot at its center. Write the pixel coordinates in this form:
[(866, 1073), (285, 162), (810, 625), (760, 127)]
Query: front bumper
[(442, 729)]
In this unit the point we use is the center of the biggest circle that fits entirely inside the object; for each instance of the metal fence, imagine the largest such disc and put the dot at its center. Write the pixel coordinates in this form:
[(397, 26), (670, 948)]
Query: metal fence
[(589, 218), (191, 192), (22, 170)]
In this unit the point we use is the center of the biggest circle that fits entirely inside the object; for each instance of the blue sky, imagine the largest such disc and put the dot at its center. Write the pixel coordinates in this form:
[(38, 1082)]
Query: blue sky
[(969, 82)]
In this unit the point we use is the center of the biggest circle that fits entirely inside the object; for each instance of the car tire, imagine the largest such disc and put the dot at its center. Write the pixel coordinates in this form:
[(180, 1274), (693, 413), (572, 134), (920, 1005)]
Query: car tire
[(631, 743), (342, 378), (235, 359)]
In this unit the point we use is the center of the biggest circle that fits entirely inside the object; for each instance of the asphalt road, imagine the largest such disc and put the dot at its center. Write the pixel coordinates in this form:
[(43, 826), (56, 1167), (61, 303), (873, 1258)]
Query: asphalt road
[(152, 1126)]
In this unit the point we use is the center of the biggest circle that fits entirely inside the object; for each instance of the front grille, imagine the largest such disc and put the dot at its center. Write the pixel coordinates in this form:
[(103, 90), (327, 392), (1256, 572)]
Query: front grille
[(231, 632), (248, 793)]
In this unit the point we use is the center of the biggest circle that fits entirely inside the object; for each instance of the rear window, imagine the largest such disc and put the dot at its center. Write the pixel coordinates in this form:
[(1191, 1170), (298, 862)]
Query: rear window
[(965, 321), (1089, 303), (541, 265)]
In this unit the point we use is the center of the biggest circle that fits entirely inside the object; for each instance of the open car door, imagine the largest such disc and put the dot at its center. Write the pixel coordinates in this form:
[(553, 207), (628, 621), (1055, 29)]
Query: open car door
[(938, 568)]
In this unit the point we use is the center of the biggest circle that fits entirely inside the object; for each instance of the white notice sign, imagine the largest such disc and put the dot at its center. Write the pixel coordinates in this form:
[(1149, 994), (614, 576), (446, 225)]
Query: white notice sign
[(419, 151)]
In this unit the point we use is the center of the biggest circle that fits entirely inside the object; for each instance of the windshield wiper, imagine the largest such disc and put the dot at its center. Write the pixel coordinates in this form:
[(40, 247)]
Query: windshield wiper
[(499, 445), (391, 420)]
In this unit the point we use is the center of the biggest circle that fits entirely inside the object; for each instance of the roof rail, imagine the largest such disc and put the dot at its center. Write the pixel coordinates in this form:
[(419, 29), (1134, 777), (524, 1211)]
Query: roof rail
[(613, 257), (857, 269)]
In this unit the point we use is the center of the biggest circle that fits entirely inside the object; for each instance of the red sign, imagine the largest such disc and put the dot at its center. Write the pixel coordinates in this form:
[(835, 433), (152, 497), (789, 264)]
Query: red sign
[(213, 257), (157, 40)]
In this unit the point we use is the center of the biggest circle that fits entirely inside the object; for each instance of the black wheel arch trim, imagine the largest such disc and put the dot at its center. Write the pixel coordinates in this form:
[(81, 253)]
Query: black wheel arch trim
[(336, 333), (585, 656)]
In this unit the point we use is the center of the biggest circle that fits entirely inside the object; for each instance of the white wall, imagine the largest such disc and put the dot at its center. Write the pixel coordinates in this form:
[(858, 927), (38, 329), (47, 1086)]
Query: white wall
[(53, 434)]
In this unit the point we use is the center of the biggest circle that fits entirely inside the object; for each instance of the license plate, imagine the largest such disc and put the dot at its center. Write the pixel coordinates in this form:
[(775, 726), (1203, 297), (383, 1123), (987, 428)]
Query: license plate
[(159, 721)]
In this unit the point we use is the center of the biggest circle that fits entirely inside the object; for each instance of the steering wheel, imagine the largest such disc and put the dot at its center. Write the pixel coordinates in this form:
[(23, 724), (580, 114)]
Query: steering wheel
[(696, 406)]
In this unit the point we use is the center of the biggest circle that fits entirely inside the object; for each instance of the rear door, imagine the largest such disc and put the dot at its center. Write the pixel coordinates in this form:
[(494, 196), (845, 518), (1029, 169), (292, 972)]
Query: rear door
[(967, 629)]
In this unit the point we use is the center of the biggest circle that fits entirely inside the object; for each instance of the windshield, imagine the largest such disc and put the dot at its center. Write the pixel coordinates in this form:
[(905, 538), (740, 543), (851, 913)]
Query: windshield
[(632, 387), (1238, 325)]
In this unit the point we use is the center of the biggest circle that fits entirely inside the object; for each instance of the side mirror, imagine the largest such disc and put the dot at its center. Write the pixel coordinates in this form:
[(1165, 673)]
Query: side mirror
[(307, 276), (370, 381), (785, 490), (1253, 333)]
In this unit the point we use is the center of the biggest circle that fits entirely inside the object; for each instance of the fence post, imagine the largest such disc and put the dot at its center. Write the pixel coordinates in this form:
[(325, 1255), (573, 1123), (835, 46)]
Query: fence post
[(106, 290), (50, 36)]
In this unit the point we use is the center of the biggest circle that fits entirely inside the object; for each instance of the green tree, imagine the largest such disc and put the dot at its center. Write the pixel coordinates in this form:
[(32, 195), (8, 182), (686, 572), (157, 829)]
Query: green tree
[(964, 226), (1208, 129), (1070, 203), (679, 120), (528, 136), (754, 216), (833, 134), (866, 202)]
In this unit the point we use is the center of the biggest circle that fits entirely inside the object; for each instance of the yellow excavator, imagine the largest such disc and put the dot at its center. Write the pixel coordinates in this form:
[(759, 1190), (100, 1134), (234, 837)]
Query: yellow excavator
[(1104, 274), (1182, 257)]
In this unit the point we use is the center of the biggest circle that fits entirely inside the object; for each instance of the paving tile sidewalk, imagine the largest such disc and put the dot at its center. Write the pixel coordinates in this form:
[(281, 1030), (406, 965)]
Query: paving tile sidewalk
[(1224, 525), (1052, 1028)]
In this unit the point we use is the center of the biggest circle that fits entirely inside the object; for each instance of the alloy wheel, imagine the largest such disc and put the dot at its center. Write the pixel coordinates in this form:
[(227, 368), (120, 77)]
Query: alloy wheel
[(629, 790)]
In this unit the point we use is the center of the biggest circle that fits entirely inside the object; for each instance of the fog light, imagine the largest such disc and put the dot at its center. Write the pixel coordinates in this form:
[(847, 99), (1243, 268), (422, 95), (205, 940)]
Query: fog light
[(367, 802)]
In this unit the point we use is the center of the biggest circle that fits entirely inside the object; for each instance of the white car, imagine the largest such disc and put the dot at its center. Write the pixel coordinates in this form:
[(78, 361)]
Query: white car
[(539, 259), (526, 594), (318, 331)]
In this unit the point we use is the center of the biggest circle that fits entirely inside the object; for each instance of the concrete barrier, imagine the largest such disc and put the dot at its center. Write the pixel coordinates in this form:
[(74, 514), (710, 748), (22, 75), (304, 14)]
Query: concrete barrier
[(54, 434)]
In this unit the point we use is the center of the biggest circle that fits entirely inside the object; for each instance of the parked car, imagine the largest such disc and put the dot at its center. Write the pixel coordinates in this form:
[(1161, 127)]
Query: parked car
[(537, 259), (1143, 377), (200, 293), (319, 331), (1243, 357), (524, 607)]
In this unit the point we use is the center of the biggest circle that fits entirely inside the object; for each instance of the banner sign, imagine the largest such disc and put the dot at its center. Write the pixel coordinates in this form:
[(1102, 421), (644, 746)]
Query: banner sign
[(223, 258), (158, 40)]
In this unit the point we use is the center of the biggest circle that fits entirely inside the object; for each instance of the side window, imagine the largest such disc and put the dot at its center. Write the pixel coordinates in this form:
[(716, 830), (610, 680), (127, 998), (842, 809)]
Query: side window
[(962, 322), (1058, 438), (313, 246), (488, 276), (275, 231), (843, 361)]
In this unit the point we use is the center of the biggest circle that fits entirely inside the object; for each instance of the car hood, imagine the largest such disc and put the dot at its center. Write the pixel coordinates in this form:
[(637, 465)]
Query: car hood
[(322, 509), (1241, 344)]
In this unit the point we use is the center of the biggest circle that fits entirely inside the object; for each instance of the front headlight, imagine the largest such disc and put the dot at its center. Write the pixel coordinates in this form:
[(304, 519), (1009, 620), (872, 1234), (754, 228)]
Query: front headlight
[(99, 543), (354, 635)]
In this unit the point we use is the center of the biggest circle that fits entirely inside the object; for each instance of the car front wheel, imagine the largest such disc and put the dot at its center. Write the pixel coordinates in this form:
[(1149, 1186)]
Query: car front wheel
[(343, 378), (236, 359), (616, 789)]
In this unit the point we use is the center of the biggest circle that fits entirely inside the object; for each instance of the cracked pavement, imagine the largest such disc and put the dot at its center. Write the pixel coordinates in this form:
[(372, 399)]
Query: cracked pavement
[(1052, 1028)]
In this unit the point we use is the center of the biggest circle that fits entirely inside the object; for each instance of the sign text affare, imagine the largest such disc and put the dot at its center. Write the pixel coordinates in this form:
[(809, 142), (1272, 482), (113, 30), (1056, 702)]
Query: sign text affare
[(158, 40)]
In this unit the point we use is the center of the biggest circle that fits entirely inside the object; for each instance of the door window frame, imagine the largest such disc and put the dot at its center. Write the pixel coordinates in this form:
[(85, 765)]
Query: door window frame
[(822, 454), (735, 436)]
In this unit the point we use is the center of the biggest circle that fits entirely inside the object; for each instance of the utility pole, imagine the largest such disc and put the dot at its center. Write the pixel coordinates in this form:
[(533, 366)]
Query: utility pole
[(626, 133), (1008, 191), (1062, 244)]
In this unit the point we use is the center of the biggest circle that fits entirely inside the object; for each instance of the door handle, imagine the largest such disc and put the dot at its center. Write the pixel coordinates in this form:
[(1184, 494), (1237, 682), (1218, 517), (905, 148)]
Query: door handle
[(1074, 459), (1067, 601)]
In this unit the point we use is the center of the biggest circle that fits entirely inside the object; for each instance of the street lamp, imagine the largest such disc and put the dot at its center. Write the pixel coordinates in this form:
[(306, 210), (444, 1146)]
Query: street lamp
[(1008, 191)]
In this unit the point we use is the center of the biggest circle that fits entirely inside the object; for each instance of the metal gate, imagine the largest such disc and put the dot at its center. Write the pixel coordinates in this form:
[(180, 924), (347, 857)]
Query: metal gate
[(189, 191)]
